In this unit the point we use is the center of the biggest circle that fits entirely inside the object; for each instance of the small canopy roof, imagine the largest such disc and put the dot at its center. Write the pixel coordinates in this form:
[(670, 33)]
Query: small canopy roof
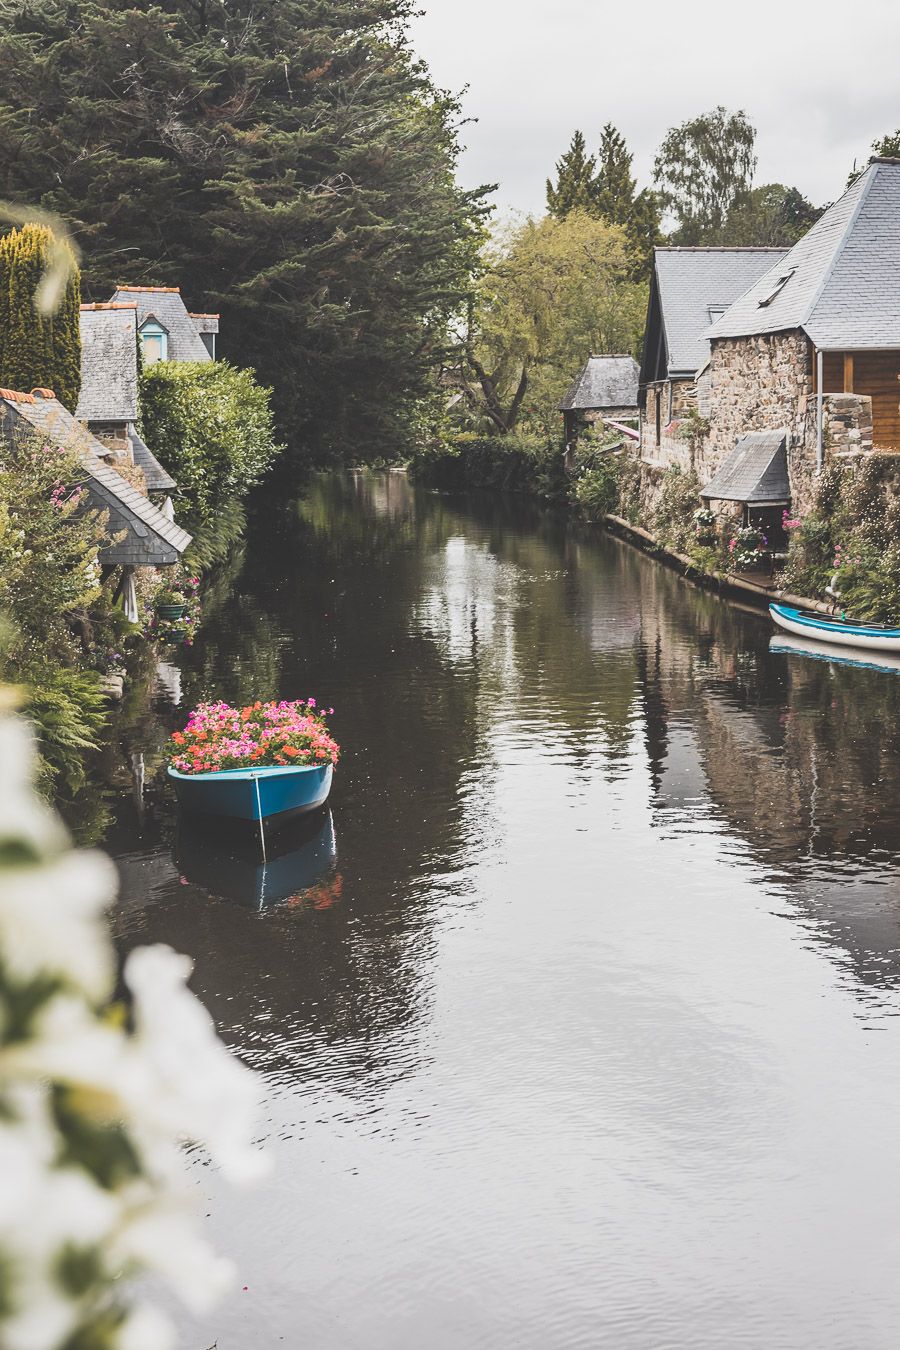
[(155, 476), (604, 382), (755, 472)]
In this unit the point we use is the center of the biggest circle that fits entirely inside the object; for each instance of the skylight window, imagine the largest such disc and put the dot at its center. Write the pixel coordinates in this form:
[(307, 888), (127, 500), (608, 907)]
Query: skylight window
[(715, 312), (779, 285)]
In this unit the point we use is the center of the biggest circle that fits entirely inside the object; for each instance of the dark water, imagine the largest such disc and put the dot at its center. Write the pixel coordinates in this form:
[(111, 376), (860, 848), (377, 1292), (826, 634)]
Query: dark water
[(578, 1016)]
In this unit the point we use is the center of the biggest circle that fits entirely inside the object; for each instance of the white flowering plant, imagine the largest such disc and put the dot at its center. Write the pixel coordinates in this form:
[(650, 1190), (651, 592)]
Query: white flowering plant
[(97, 1098)]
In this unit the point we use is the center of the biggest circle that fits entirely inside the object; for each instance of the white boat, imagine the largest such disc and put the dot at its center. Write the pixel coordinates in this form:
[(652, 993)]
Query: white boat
[(836, 631)]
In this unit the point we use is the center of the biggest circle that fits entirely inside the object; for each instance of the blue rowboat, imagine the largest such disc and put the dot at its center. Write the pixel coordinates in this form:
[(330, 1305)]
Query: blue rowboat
[(268, 794), (833, 629)]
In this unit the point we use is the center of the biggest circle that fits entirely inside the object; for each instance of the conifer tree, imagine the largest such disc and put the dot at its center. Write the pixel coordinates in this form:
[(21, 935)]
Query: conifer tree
[(613, 196), (574, 180), (291, 165), (37, 350)]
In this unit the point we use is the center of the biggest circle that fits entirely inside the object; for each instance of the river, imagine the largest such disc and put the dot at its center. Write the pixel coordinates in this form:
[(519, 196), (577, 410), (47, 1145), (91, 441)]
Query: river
[(577, 1015)]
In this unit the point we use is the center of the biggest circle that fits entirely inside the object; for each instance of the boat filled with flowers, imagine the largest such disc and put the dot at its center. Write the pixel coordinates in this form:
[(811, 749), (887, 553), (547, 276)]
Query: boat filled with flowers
[(254, 763)]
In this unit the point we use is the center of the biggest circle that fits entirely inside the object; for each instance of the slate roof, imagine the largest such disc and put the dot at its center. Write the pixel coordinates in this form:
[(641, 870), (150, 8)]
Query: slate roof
[(843, 276), (109, 368), (686, 284), (151, 539), (156, 477), (164, 303), (604, 382), (755, 472)]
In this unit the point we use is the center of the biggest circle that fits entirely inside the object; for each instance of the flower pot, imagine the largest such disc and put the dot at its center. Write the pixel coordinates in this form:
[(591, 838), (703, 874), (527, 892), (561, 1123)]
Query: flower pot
[(170, 613)]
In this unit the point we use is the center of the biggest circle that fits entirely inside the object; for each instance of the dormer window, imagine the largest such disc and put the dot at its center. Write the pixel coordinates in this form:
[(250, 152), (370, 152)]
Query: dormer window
[(776, 288), (715, 312), (154, 342)]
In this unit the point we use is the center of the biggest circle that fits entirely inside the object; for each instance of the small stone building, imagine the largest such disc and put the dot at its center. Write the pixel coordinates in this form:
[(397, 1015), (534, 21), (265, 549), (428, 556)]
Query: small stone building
[(605, 387), (812, 347), (689, 289)]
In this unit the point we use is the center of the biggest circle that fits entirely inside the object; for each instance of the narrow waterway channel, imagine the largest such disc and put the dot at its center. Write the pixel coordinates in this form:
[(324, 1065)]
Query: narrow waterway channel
[(577, 1016)]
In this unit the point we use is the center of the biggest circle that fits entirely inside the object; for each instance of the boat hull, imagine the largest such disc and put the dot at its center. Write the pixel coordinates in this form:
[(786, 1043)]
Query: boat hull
[(862, 659), (254, 794), (836, 632)]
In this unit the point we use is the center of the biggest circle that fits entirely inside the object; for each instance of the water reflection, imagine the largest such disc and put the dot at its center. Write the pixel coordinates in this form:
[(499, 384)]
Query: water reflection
[(300, 866), (569, 1040)]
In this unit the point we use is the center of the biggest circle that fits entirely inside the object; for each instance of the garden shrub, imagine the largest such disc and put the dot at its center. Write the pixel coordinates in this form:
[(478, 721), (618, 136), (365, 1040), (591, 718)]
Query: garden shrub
[(852, 533), (597, 488), (672, 518), (511, 463), (50, 582), (211, 426)]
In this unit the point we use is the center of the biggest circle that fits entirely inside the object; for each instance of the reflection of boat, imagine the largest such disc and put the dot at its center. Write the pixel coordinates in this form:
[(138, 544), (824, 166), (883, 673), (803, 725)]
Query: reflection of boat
[(254, 794), (300, 867), (824, 651), (840, 632)]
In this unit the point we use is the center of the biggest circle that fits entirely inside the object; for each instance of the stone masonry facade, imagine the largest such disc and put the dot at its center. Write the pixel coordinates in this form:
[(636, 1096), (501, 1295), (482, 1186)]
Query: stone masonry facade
[(760, 383)]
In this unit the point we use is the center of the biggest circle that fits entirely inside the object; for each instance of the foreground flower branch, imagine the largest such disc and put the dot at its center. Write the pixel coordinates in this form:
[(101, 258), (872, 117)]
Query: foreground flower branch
[(97, 1099)]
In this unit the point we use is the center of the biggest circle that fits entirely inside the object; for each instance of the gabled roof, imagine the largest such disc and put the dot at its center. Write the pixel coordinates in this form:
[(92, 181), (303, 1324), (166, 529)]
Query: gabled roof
[(604, 382), (755, 472), (841, 281), (151, 539), (164, 303), (109, 368), (688, 286)]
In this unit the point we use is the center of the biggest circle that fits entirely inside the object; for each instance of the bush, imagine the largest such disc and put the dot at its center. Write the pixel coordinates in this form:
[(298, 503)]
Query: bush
[(512, 463), (211, 426), (50, 581), (853, 535), (597, 488), (672, 518)]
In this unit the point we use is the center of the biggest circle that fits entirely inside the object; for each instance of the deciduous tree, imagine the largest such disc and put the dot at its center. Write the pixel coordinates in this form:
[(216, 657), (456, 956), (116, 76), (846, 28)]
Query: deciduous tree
[(552, 292), (702, 169)]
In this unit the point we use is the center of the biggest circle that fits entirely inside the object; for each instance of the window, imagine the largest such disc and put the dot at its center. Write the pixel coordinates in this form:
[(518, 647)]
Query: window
[(154, 342), (715, 312), (658, 400), (776, 287)]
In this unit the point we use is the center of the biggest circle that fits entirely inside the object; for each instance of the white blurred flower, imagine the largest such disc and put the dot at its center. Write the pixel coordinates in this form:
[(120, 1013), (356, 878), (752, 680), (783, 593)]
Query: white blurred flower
[(198, 1090), (146, 1329), (164, 1241)]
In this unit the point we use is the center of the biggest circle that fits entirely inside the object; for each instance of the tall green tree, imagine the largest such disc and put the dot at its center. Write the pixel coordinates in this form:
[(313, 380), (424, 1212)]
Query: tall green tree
[(574, 187), (37, 349), (614, 195), (769, 216), (552, 291), (702, 169), (286, 161)]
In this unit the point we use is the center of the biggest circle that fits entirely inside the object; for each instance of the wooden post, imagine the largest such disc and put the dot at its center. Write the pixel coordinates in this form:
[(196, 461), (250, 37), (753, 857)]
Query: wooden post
[(848, 372)]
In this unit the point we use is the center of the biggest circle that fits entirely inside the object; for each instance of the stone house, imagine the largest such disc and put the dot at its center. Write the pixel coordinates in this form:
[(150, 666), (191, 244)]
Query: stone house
[(689, 288), (141, 535), (605, 387), (812, 349)]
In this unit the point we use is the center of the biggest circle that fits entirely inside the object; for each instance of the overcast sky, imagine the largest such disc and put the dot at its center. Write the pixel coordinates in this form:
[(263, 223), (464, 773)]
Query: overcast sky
[(819, 82)]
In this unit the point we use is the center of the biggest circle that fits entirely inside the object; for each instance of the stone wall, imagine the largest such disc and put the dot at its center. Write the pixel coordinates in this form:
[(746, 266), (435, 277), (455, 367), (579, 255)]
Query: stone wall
[(676, 397), (755, 384)]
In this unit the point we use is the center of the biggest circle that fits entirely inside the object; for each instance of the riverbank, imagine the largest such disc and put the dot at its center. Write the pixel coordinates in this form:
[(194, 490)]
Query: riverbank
[(728, 583)]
